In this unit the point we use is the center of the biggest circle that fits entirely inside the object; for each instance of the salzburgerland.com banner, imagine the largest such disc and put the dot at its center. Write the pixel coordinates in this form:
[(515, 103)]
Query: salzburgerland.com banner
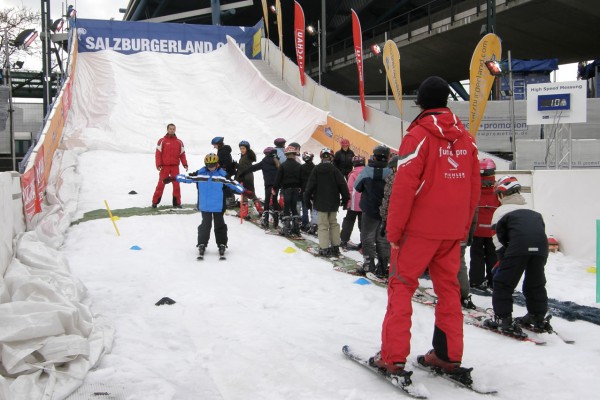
[(133, 37)]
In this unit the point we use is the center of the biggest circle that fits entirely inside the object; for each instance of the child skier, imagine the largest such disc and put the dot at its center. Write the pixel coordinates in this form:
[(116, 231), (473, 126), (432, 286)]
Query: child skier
[(269, 166), (289, 180), (307, 169), (522, 247), (483, 253), (325, 188), (212, 185), (354, 210)]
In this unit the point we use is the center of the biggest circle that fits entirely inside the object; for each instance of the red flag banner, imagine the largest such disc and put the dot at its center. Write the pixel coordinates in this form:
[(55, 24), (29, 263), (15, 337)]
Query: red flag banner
[(299, 36), (357, 35)]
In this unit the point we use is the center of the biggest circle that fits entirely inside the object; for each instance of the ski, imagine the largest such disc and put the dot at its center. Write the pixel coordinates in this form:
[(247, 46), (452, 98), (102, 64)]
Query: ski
[(548, 329), (478, 321), (462, 378), (372, 277), (222, 258), (293, 237), (200, 258), (402, 382)]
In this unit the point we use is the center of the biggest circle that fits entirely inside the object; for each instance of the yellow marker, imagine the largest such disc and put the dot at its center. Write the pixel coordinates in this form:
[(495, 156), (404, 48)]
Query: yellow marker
[(113, 219), (289, 250), (591, 269)]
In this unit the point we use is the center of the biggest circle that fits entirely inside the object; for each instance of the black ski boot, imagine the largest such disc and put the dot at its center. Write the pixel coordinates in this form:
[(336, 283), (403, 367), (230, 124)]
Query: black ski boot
[(264, 222), (275, 215), (382, 268), (286, 226), (222, 248), (368, 266), (296, 225), (467, 303), (201, 249), (325, 252), (505, 325), (335, 251), (535, 322)]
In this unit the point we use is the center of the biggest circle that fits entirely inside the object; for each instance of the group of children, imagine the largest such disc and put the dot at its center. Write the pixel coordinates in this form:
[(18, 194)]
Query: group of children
[(506, 241)]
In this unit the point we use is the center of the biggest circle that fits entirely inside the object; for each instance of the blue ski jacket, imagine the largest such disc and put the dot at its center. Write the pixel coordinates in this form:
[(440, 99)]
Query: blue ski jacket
[(211, 188)]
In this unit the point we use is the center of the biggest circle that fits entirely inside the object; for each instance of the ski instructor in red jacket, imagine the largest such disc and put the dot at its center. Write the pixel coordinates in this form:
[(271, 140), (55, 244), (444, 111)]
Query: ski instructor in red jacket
[(433, 199), (169, 152)]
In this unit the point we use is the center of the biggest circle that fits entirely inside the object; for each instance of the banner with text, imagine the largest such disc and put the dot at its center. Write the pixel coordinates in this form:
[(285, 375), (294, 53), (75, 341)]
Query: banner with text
[(133, 37), (391, 61), (357, 36), (481, 80), (299, 39)]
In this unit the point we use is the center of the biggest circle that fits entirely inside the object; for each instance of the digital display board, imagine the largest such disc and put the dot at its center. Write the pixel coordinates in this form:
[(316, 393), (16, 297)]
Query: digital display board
[(554, 102)]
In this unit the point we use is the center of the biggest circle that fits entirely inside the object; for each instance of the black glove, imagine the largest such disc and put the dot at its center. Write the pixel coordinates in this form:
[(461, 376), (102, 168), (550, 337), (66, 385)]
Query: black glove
[(344, 204), (194, 173), (168, 180), (382, 232), (309, 205)]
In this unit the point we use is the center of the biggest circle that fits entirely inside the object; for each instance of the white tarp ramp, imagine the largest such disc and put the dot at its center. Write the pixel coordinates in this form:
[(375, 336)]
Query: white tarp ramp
[(124, 102), (50, 337)]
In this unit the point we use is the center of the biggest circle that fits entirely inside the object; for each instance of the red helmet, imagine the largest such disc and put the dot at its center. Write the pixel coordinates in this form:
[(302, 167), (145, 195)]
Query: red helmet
[(290, 150), (552, 241), (487, 167), (326, 152), (358, 161), (507, 185), (307, 156), (345, 142)]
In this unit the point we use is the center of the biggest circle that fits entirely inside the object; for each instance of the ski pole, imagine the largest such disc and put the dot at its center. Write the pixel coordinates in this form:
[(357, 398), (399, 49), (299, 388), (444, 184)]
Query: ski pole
[(113, 219)]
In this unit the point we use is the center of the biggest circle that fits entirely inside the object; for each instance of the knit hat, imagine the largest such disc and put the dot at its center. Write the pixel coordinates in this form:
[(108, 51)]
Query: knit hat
[(433, 93)]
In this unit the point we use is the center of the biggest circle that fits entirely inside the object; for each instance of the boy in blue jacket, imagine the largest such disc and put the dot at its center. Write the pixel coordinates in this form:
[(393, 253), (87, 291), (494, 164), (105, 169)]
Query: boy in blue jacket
[(212, 185)]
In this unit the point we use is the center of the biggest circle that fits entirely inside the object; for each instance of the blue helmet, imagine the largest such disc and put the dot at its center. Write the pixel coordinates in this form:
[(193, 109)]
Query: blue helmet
[(244, 143), (217, 140)]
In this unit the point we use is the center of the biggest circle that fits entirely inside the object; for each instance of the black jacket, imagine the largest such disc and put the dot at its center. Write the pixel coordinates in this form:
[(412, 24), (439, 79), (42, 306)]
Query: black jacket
[(268, 167), (371, 183), (519, 231), (225, 160), (343, 161), (306, 169), (289, 175), (325, 186)]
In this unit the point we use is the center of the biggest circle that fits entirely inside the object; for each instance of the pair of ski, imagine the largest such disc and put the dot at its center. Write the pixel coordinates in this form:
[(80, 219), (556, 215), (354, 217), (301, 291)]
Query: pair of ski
[(221, 257), (404, 382), (477, 316)]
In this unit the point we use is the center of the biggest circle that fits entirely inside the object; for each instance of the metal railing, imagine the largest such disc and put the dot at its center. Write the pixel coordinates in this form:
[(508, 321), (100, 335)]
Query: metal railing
[(425, 15)]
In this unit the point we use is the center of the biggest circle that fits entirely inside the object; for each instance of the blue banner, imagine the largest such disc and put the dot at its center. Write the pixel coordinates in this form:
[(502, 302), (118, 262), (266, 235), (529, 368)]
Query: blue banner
[(133, 37)]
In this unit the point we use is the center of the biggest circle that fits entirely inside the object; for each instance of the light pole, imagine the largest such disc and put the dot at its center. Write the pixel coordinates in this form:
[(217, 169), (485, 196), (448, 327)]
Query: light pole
[(312, 31), (511, 110)]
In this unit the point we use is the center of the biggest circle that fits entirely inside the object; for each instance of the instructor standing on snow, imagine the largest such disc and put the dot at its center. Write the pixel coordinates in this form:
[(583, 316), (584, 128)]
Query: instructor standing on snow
[(433, 199), (169, 152)]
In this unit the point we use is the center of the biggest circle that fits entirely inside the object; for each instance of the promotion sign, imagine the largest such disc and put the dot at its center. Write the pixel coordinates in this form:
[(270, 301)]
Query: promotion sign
[(481, 80), (133, 37)]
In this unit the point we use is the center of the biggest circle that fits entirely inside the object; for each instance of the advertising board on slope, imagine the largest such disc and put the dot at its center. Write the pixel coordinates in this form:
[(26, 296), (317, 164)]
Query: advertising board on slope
[(128, 37)]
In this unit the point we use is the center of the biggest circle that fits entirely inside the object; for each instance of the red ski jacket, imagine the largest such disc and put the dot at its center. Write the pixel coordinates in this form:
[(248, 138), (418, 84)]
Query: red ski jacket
[(437, 184), (488, 203), (169, 150)]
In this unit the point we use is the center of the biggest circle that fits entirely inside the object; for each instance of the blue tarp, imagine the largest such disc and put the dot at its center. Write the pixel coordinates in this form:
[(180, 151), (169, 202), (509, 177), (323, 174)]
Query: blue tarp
[(548, 65)]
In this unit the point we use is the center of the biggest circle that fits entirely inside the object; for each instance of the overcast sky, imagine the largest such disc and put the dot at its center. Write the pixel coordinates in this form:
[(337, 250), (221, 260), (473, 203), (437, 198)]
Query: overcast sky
[(89, 9)]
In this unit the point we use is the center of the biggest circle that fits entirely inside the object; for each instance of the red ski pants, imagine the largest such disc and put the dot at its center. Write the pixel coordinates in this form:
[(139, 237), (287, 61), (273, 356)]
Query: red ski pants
[(166, 171), (407, 263)]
